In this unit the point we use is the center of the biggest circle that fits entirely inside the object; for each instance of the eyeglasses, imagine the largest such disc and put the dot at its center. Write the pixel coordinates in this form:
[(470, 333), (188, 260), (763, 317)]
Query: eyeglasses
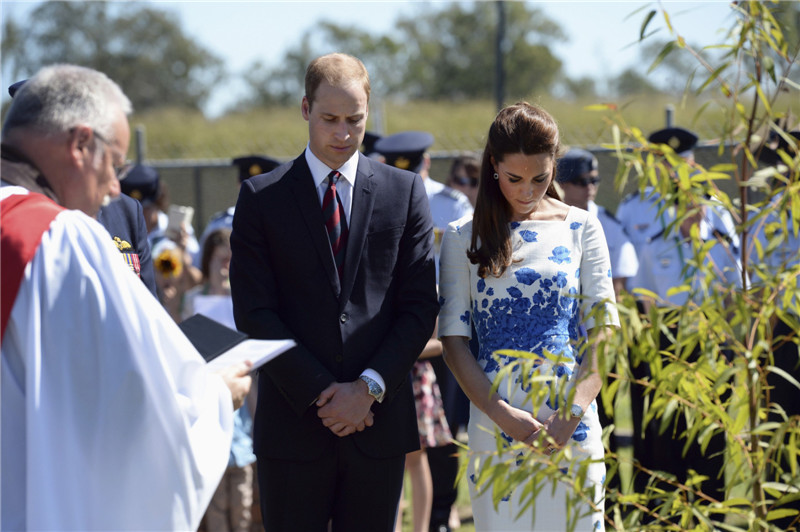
[(586, 182), (121, 170), (465, 181)]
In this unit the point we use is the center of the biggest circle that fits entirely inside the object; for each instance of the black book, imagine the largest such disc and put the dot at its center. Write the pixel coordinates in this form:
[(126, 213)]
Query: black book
[(222, 346), (210, 337)]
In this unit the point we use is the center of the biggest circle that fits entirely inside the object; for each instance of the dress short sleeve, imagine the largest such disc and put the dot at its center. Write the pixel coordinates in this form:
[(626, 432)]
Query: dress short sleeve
[(455, 280), (597, 287)]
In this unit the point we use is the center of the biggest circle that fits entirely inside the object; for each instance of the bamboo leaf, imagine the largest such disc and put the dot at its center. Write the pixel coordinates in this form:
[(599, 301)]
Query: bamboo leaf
[(769, 66), (600, 107), (647, 20), (661, 55), (713, 77), (764, 99), (785, 375)]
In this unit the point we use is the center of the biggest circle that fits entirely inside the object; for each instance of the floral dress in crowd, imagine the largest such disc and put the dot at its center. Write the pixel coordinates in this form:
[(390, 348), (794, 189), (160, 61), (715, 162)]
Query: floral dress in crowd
[(560, 270), (431, 421)]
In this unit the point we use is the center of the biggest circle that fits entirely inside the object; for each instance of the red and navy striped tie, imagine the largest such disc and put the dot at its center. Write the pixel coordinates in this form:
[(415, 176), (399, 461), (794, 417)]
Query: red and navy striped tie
[(335, 221)]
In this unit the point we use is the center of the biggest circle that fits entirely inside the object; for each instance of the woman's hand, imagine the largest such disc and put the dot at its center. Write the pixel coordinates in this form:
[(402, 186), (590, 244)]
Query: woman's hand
[(557, 429), (515, 422)]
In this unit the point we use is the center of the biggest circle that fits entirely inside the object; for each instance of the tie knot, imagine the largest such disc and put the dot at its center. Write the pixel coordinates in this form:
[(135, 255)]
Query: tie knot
[(333, 177)]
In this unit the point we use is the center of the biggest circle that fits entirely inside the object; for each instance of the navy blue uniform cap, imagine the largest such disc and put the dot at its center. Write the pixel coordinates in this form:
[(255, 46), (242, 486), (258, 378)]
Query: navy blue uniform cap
[(251, 165), (770, 156), (679, 139), (141, 184), (574, 164), (368, 144), (405, 150), (14, 87)]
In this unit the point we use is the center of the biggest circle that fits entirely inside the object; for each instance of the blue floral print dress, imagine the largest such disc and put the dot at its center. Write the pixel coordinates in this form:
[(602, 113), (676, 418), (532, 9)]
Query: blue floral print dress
[(560, 270)]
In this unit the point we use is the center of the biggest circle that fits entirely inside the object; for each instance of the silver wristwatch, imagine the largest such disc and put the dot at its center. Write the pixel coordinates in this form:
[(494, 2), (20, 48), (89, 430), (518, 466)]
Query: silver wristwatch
[(375, 389), (576, 411)]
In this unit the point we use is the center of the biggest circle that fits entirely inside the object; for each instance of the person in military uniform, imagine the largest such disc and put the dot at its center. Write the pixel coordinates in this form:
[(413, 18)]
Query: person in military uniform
[(464, 174), (368, 144), (173, 255), (143, 184), (408, 150), (579, 179), (248, 166), (664, 265), (781, 257), (639, 213), (662, 252), (124, 221)]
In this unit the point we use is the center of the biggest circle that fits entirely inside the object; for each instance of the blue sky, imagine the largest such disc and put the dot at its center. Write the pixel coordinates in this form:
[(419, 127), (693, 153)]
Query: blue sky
[(602, 35)]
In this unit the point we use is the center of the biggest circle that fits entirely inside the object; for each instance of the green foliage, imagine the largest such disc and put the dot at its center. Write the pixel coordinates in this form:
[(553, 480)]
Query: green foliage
[(142, 49), (450, 51), (631, 82), (440, 53), (284, 85), (716, 370)]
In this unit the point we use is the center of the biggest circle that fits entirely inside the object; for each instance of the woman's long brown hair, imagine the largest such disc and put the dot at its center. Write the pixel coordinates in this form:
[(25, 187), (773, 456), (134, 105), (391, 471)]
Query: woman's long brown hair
[(519, 128)]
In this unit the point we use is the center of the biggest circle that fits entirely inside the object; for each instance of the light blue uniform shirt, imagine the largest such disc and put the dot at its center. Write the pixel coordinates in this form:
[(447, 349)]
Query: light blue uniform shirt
[(242, 444), (624, 262), (662, 264), (786, 255), (447, 205)]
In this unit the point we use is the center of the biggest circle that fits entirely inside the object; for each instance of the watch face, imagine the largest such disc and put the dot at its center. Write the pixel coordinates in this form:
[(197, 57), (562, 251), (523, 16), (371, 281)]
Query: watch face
[(373, 386)]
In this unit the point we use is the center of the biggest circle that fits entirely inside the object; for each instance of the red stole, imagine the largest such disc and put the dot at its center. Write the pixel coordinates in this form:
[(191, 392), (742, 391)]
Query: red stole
[(23, 220)]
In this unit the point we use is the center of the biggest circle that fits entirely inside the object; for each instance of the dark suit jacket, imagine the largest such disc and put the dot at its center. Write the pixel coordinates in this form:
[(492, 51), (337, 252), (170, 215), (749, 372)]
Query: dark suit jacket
[(284, 285), (123, 219)]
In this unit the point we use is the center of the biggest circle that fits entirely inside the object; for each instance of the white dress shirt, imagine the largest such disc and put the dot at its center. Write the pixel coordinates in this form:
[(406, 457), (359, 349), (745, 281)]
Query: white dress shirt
[(344, 189)]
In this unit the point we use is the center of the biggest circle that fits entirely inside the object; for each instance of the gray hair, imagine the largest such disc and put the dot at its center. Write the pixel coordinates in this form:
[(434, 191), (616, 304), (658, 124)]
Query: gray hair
[(60, 97)]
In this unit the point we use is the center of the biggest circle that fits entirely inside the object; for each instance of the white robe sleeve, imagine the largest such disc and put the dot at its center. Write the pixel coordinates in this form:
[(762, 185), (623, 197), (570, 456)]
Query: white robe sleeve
[(110, 420)]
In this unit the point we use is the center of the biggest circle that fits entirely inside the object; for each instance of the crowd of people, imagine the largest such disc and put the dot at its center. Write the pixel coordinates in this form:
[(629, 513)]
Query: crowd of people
[(398, 287)]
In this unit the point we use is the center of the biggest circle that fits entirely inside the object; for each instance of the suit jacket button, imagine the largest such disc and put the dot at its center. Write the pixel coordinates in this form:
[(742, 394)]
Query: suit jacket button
[(344, 317), (338, 358)]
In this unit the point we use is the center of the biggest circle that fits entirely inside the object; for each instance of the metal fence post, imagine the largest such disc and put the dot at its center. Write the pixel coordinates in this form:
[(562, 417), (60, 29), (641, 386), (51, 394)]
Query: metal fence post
[(139, 144), (200, 215)]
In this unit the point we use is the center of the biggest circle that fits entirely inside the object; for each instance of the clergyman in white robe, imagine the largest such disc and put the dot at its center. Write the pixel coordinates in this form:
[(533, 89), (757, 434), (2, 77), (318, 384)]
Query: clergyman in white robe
[(110, 420)]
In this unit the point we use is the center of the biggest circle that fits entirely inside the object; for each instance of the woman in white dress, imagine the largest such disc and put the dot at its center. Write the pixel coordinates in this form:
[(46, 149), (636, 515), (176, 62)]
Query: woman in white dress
[(526, 269)]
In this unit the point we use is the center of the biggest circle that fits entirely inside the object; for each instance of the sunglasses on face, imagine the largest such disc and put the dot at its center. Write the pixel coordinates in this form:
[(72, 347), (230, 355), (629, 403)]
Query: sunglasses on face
[(586, 182), (465, 181)]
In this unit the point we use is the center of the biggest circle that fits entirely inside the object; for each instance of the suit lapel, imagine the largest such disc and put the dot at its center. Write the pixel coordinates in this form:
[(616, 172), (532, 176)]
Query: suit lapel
[(308, 203), (360, 214)]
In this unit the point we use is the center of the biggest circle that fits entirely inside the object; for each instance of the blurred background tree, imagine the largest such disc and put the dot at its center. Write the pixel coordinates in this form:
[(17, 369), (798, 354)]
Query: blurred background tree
[(143, 49)]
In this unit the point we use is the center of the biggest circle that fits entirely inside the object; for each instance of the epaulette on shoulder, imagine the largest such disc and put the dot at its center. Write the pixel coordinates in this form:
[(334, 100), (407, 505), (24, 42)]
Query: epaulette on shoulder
[(607, 214), (219, 215), (655, 236), (451, 193)]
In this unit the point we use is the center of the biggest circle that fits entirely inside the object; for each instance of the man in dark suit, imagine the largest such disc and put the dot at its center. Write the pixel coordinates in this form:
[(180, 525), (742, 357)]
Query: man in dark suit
[(355, 287)]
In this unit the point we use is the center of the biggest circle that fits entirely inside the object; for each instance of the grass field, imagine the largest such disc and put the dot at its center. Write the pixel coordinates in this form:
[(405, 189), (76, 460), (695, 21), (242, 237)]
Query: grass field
[(282, 133), (193, 153)]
